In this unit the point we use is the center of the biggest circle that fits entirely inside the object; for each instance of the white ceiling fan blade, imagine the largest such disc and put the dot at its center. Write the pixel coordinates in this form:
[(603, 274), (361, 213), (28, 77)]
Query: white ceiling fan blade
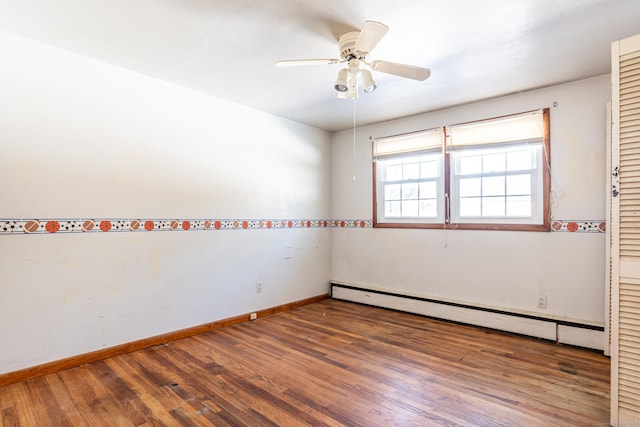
[(371, 33), (298, 62), (402, 70)]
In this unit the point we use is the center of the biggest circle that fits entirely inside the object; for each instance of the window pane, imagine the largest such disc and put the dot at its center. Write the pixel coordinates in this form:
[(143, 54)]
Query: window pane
[(412, 187), (493, 186), (521, 159), (410, 208), (394, 161), (519, 206), (469, 165), (470, 206), (428, 190), (428, 209), (470, 187), (409, 191), (493, 206), (392, 209), (394, 173), (429, 169), (392, 192), (411, 171), (519, 184), (493, 162)]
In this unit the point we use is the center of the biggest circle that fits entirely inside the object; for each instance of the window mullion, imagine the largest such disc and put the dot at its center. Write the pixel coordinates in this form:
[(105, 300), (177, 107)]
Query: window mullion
[(447, 185)]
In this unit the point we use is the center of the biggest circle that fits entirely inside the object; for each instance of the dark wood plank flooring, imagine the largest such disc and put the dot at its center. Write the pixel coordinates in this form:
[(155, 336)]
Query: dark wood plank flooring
[(329, 363)]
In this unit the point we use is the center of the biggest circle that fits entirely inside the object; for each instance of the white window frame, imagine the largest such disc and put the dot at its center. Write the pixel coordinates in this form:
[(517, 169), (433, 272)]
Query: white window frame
[(535, 190), (382, 166)]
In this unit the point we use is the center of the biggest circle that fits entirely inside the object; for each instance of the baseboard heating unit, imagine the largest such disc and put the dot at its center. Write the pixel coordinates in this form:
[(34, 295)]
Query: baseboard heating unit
[(573, 333)]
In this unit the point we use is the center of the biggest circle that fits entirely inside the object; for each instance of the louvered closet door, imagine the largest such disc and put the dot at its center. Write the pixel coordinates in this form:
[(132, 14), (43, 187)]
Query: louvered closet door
[(625, 229)]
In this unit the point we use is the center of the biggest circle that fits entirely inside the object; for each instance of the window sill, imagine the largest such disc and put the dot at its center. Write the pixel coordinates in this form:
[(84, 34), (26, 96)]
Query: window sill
[(495, 227)]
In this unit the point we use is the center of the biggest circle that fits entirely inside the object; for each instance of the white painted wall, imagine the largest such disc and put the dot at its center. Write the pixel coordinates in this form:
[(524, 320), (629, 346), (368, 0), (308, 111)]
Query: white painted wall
[(80, 138), (500, 269)]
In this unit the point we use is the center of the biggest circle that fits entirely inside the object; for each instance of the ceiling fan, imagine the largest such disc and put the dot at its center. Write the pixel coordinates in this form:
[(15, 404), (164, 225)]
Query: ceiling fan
[(354, 47)]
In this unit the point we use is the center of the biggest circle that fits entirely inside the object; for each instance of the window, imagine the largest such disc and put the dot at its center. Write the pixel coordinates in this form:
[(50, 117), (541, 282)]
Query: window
[(409, 169), (491, 174)]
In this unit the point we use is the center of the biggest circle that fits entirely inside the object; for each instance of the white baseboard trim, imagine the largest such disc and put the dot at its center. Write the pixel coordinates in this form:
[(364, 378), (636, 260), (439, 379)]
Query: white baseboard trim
[(550, 329), (581, 337)]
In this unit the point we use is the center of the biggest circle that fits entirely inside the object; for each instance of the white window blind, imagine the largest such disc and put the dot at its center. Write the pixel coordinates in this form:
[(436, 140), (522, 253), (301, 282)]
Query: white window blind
[(428, 140), (521, 127)]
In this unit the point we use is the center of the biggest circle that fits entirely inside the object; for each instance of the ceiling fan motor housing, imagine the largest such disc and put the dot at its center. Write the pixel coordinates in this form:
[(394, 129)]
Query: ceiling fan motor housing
[(347, 43)]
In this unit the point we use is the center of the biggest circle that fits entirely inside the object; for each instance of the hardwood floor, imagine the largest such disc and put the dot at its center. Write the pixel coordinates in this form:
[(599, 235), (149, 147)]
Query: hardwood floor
[(328, 363)]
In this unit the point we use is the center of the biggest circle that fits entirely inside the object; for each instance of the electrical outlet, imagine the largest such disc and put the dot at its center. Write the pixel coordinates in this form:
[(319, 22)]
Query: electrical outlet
[(542, 301), (258, 287), (253, 316)]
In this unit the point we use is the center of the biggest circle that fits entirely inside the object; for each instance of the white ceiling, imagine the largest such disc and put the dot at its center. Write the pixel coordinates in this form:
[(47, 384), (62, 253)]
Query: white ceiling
[(227, 48)]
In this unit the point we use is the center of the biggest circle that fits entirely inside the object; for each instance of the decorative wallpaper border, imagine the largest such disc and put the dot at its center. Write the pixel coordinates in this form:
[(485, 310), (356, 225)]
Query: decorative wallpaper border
[(579, 226), (92, 225)]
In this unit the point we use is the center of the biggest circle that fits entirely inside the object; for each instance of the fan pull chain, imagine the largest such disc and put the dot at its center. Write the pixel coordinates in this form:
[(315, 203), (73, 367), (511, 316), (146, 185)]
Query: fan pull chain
[(354, 141)]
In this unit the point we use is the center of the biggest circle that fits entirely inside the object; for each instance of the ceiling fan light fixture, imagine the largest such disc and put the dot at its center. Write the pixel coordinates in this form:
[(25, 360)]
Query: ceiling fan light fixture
[(342, 83), (368, 84)]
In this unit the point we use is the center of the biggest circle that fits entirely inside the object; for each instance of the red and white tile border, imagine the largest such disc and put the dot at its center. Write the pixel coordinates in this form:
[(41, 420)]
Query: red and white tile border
[(140, 225)]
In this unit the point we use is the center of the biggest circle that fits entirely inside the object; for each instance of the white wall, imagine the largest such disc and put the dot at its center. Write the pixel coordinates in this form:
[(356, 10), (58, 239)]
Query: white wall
[(500, 269), (83, 139)]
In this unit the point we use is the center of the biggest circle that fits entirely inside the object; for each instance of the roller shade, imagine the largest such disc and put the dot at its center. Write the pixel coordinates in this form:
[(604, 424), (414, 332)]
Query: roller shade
[(427, 140), (520, 127)]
